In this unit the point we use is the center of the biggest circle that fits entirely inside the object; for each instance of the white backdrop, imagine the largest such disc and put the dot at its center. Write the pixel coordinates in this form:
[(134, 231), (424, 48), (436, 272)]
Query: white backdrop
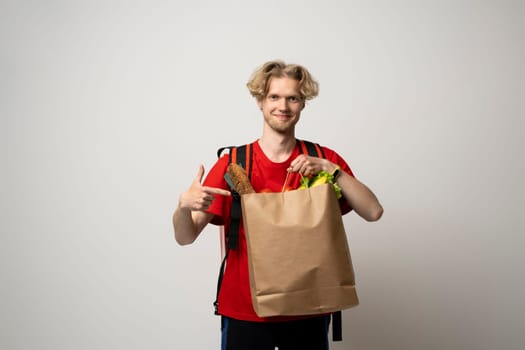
[(108, 108)]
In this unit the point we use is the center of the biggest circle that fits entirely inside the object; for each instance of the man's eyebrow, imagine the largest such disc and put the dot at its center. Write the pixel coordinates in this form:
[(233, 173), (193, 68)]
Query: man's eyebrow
[(275, 93)]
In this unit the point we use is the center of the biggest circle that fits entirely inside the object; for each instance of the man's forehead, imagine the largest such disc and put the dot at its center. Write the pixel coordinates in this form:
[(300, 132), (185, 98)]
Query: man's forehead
[(284, 85)]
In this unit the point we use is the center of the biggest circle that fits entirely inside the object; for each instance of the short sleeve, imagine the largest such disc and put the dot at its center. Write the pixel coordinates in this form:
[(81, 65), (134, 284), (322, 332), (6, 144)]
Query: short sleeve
[(335, 158)]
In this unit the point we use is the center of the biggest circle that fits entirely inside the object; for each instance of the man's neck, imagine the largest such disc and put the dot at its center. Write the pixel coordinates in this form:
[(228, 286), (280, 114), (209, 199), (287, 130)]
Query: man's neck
[(277, 147)]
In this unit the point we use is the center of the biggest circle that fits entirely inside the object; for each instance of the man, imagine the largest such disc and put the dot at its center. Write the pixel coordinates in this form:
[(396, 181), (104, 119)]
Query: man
[(281, 91)]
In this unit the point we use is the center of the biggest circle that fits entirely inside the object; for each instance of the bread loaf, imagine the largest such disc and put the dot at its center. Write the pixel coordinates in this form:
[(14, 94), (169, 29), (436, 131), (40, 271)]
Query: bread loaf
[(239, 178)]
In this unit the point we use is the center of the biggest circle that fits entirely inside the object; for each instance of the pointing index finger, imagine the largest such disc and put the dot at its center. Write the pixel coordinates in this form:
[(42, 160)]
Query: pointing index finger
[(219, 191)]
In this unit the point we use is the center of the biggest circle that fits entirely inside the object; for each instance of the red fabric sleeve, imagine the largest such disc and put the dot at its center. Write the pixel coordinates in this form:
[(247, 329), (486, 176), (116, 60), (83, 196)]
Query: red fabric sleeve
[(335, 158)]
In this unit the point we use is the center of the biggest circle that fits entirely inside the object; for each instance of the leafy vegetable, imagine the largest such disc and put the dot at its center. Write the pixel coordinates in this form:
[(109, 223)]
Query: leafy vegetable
[(321, 178)]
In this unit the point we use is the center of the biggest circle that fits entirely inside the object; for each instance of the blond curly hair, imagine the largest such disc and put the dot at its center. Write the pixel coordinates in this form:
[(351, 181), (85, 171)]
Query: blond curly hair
[(259, 82)]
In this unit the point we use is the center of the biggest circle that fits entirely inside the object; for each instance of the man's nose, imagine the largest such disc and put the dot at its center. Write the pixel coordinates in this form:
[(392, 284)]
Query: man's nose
[(283, 104)]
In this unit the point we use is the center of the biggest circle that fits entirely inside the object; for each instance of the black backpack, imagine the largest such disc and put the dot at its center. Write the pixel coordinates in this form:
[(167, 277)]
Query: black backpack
[(242, 155)]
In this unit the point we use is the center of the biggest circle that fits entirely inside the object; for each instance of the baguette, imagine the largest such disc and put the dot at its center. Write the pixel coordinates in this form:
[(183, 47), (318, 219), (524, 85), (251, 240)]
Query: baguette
[(239, 178)]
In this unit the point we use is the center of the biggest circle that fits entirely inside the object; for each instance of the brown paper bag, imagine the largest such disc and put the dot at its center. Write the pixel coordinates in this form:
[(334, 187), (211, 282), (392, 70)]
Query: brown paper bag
[(299, 261)]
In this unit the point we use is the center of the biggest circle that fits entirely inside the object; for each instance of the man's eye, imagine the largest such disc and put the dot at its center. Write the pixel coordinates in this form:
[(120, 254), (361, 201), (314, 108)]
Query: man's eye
[(293, 99), (273, 97)]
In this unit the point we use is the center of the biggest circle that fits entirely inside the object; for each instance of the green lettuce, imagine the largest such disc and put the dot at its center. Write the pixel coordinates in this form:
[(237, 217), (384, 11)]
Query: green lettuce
[(321, 178)]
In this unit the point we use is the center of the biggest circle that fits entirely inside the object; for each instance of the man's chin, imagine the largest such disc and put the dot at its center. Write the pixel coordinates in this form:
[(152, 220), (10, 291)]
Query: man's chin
[(288, 130)]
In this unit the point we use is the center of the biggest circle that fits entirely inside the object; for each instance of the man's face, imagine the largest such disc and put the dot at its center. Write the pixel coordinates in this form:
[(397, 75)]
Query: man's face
[(282, 105)]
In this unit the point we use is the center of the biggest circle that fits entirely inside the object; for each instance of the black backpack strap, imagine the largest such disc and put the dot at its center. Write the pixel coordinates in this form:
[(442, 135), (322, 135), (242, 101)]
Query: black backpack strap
[(235, 221), (241, 155), (219, 282), (310, 148), (337, 326)]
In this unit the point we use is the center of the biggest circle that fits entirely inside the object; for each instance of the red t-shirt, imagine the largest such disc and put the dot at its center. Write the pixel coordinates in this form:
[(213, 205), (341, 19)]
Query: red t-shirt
[(234, 297)]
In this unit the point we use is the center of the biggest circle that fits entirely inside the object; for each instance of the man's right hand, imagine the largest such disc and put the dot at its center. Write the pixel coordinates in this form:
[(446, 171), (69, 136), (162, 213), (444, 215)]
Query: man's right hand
[(198, 197)]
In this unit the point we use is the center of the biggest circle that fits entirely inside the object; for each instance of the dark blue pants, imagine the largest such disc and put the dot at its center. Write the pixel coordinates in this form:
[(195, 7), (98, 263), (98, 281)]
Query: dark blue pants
[(305, 334)]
